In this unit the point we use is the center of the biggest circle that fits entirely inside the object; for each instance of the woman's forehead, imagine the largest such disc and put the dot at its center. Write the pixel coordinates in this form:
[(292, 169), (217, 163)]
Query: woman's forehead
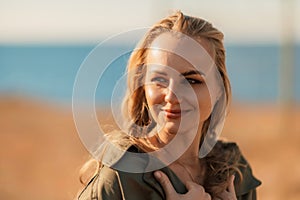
[(172, 50), (158, 60), (180, 71), (179, 42)]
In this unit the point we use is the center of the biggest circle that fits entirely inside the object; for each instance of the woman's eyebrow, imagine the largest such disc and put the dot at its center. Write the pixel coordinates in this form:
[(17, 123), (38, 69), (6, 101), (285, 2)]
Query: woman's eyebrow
[(187, 73), (158, 72), (192, 72)]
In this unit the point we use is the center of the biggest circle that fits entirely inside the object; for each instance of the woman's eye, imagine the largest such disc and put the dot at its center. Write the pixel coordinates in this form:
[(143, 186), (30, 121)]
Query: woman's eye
[(159, 80), (193, 81)]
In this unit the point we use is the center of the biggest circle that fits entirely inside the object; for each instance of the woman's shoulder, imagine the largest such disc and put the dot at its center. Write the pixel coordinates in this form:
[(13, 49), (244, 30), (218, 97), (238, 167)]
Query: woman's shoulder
[(245, 181), (103, 185), (118, 180), (110, 184), (224, 144)]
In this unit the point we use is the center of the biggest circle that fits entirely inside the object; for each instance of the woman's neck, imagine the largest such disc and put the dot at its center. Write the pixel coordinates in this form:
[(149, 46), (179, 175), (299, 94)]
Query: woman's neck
[(191, 156), (189, 167)]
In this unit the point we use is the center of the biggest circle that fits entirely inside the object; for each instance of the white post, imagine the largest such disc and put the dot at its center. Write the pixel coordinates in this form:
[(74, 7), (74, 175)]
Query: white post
[(287, 57), (287, 65)]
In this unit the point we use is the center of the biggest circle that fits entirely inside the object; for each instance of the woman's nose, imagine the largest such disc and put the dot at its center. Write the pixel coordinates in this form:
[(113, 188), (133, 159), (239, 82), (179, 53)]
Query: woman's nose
[(171, 94)]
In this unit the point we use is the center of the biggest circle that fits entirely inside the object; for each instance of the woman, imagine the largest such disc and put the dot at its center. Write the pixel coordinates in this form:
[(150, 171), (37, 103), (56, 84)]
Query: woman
[(177, 95)]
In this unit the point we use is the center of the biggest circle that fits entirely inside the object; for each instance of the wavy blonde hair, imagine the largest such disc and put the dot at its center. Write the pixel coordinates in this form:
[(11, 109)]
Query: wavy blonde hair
[(135, 107)]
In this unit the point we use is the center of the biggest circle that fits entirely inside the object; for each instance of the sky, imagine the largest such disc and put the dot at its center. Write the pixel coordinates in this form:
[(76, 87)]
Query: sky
[(91, 21)]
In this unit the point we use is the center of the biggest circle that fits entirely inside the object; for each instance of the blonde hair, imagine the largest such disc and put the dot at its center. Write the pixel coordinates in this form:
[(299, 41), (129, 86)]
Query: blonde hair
[(135, 107)]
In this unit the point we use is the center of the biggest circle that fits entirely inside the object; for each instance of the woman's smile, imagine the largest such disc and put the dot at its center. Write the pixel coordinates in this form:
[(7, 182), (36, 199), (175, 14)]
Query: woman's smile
[(175, 113), (172, 114)]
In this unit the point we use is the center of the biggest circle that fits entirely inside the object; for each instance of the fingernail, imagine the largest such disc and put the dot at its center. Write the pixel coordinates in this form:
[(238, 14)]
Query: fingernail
[(157, 174)]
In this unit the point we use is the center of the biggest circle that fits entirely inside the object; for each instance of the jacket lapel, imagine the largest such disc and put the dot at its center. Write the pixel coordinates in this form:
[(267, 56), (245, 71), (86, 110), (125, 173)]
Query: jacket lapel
[(176, 182)]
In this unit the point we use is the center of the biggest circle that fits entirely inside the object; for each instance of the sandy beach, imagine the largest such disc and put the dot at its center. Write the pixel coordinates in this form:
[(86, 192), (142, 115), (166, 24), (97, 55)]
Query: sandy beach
[(41, 152)]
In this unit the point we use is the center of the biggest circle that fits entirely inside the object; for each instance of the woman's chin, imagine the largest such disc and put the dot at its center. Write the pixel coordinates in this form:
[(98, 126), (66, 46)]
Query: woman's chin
[(174, 124), (173, 127)]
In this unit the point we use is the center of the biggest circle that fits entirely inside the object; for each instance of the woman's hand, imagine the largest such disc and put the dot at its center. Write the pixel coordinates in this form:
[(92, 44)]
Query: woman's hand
[(195, 191), (228, 194)]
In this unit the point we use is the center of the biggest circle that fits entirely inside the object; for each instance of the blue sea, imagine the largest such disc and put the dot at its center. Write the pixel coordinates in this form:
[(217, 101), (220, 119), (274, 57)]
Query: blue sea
[(48, 71)]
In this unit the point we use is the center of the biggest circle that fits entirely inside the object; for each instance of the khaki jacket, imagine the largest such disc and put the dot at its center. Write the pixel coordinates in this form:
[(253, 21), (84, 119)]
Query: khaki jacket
[(111, 184)]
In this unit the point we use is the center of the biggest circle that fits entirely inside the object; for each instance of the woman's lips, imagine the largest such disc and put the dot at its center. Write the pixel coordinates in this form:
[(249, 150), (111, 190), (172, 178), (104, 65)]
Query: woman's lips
[(173, 114)]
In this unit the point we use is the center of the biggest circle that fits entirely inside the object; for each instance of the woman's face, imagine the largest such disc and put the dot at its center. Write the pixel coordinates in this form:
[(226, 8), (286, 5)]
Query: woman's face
[(175, 91)]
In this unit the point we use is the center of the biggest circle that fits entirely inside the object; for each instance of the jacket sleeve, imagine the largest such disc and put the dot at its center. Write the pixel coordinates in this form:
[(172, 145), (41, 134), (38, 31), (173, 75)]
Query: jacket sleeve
[(250, 195), (103, 186), (246, 186)]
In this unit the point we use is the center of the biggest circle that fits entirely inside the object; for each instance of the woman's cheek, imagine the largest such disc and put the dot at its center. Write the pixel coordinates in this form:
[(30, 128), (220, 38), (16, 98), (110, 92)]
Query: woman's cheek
[(152, 95), (205, 106)]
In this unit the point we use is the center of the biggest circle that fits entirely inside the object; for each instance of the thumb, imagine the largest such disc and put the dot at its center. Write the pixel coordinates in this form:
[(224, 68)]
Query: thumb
[(190, 185), (165, 183), (231, 184)]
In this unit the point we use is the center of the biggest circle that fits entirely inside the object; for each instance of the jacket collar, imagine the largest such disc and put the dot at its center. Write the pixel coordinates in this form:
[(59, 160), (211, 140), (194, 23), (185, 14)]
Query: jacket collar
[(115, 157), (118, 157)]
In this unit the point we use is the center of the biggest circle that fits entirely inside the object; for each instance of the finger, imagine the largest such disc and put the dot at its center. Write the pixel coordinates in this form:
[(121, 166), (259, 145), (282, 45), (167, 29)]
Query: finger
[(198, 190), (165, 183), (223, 195), (191, 185), (231, 185), (207, 196)]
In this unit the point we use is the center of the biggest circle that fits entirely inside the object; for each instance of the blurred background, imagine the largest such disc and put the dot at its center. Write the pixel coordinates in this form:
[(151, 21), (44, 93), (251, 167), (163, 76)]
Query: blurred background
[(43, 43)]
